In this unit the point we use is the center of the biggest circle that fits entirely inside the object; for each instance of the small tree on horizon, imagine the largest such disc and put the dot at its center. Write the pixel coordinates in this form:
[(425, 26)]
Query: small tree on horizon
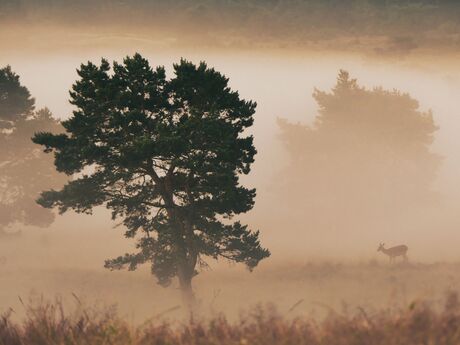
[(165, 157)]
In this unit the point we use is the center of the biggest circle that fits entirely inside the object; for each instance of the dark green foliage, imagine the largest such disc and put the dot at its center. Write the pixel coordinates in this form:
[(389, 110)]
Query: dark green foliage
[(163, 155), (24, 170)]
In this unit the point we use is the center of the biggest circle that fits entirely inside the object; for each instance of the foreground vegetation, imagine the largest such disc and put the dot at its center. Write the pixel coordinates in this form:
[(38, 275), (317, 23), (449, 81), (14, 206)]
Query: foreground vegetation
[(419, 323)]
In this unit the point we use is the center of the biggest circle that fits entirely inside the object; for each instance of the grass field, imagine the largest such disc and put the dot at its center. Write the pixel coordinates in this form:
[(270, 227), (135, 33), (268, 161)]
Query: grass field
[(313, 289), (47, 297), (416, 324)]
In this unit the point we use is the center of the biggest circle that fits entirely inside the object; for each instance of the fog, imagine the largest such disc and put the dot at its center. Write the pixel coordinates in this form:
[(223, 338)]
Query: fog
[(68, 256), (282, 87)]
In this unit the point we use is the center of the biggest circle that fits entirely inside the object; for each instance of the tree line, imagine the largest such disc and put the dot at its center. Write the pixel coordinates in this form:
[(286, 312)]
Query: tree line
[(385, 26)]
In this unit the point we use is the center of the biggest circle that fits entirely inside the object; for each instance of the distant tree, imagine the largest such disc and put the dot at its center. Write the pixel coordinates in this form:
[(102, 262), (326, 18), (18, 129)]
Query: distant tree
[(165, 156), (15, 100), (368, 153), (24, 170)]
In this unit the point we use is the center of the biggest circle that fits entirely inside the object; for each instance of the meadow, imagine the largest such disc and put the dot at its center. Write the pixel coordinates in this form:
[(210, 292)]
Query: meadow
[(433, 319), (311, 289)]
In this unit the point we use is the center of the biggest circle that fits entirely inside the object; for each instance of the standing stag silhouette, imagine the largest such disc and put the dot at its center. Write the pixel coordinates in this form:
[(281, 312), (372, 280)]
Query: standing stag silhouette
[(393, 252)]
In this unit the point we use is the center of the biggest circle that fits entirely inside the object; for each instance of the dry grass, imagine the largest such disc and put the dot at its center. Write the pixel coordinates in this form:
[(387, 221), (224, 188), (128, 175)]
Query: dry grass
[(321, 286), (48, 323)]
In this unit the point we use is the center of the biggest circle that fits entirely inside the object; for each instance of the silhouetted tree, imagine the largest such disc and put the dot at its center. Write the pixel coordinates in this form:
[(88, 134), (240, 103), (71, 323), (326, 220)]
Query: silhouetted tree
[(367, 154), (16, 102), (165, 156), (24, 170)]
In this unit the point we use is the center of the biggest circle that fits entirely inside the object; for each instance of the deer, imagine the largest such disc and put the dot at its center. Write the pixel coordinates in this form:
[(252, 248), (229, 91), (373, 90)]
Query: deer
[(393, 252)]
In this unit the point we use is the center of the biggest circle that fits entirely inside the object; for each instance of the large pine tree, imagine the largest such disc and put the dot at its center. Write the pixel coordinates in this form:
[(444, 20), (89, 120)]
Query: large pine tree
[(165, 156)]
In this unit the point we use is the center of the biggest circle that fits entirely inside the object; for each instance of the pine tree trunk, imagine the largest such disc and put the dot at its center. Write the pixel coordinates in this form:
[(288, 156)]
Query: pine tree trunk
[(186, 260), (188, 297)]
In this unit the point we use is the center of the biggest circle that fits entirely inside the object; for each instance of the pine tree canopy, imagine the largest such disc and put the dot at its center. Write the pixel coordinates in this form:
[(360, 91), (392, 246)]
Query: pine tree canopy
[(165, 156)]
